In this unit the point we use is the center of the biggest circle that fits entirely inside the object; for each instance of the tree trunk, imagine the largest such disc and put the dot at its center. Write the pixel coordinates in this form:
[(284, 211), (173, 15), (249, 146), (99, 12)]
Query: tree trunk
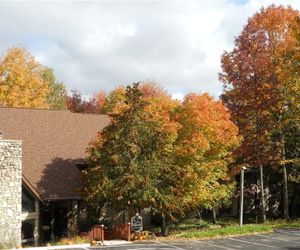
[(285, 195), (234, 207), (262, 195), (284, 173), (214, 214), (165, 227), (199, 211)]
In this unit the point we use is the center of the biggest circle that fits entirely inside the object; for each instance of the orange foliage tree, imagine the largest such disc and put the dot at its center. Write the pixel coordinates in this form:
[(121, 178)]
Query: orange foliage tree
[(162, 155), (94, 105), (115, 100), (205, 143), (259, 87), (132, 163)]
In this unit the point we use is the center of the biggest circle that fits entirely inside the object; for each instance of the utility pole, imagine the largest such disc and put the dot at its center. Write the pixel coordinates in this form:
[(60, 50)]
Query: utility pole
[(242, 196)]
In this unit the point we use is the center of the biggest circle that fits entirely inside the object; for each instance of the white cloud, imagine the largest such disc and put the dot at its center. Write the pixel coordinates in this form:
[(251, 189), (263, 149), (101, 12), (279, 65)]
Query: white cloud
[(178, 96), (99, 45)]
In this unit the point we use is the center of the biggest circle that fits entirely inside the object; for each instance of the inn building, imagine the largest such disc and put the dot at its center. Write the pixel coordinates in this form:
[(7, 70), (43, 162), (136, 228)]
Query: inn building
[(41, 153)]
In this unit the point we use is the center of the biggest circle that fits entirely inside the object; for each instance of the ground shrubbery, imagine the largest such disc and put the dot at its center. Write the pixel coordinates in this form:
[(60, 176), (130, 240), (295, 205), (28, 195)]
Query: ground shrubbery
[(203, 229)]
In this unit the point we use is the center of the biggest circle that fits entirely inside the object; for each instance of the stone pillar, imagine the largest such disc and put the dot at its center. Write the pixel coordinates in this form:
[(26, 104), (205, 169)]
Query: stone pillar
[(10, 192)]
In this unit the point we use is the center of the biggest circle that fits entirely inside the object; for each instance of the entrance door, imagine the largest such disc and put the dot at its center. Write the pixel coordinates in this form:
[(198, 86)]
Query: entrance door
[(60, 222)]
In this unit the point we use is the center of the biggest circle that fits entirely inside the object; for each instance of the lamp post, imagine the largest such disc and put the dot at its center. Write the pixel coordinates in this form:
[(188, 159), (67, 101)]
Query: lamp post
[(242, 196)]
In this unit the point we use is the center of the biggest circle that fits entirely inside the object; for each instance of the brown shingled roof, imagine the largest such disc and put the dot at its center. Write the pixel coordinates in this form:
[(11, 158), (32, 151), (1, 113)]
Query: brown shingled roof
[(53, 141)]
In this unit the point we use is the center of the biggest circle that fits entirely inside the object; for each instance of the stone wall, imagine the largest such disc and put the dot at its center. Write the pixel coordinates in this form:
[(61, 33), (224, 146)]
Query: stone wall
[(10, 192)]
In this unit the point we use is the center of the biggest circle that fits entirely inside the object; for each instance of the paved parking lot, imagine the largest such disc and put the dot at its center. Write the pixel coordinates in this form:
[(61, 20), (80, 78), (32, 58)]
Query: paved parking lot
[(287, 239)]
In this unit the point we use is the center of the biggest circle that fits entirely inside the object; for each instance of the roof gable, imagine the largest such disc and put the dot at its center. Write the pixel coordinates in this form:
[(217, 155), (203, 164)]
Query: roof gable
[(53, 141)]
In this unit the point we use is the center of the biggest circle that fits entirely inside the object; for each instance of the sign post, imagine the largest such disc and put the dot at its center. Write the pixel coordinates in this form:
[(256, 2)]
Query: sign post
[(242, 196)]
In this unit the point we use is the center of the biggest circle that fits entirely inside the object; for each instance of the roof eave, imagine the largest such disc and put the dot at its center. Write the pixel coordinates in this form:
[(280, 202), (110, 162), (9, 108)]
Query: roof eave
[(28, 185)]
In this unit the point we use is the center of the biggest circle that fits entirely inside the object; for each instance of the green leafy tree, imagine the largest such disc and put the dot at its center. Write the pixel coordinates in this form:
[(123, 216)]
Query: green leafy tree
[(115, 100), (163, 155), (131, 164), (57, 96)]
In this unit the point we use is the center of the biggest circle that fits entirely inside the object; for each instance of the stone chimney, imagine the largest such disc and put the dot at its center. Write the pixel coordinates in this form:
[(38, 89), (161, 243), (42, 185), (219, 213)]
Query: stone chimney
[(10, 192)]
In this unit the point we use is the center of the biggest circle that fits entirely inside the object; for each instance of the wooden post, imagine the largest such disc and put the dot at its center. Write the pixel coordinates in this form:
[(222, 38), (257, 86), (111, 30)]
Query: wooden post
[(102, 234), (128, 231)]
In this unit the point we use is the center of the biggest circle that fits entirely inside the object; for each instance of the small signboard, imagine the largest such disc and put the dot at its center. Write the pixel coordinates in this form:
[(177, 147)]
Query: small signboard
[(137, 223)]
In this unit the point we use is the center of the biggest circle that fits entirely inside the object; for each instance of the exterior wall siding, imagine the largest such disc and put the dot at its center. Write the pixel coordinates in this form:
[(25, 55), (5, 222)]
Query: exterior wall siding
[(10, 192)]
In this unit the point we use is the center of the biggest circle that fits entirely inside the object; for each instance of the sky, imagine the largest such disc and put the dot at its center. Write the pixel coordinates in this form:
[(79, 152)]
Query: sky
[(98, 45)]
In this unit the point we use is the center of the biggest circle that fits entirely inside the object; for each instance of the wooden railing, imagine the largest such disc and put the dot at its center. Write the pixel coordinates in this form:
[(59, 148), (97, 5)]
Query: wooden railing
[(96, 234), (122, 231)]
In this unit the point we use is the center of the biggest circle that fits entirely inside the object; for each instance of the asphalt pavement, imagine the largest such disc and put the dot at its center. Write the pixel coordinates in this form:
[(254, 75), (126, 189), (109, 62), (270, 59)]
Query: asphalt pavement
[(285, 239)]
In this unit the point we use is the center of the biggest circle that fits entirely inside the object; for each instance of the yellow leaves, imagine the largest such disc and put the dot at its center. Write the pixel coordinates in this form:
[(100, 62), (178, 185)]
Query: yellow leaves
[(197, 144), (120, 108), (21, 83), (289, 161), (206, 121), (160, 110), (170, 155), (115, 159), (206, 139), (114, 103)]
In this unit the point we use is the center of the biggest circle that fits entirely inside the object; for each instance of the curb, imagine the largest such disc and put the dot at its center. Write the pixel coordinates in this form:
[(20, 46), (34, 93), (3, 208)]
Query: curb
[(83, 246)]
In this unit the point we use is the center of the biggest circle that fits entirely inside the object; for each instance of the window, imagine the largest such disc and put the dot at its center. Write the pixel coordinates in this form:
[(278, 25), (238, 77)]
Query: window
[(28, 232), (28, 202)]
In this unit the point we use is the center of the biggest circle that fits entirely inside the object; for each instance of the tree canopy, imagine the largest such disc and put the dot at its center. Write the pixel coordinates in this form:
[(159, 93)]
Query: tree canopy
[(205, 143), (21, 82), (128, 158), (260, 88), (25, 83), (57, 95), (163, 155)]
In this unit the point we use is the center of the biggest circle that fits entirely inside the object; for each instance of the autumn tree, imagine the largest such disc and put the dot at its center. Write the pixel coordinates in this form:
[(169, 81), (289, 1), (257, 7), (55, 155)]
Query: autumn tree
[(94, 105), (291, 116), (152, 90), (57, 95), (205, 143), (131, 164), (21, 81), (115, 100), (162, 155), (75, 102), (258, 89)]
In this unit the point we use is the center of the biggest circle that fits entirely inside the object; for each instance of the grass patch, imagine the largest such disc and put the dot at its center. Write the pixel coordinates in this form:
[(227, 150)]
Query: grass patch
[(202, 229), (70, 241), (191, 224), (224, 231)]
